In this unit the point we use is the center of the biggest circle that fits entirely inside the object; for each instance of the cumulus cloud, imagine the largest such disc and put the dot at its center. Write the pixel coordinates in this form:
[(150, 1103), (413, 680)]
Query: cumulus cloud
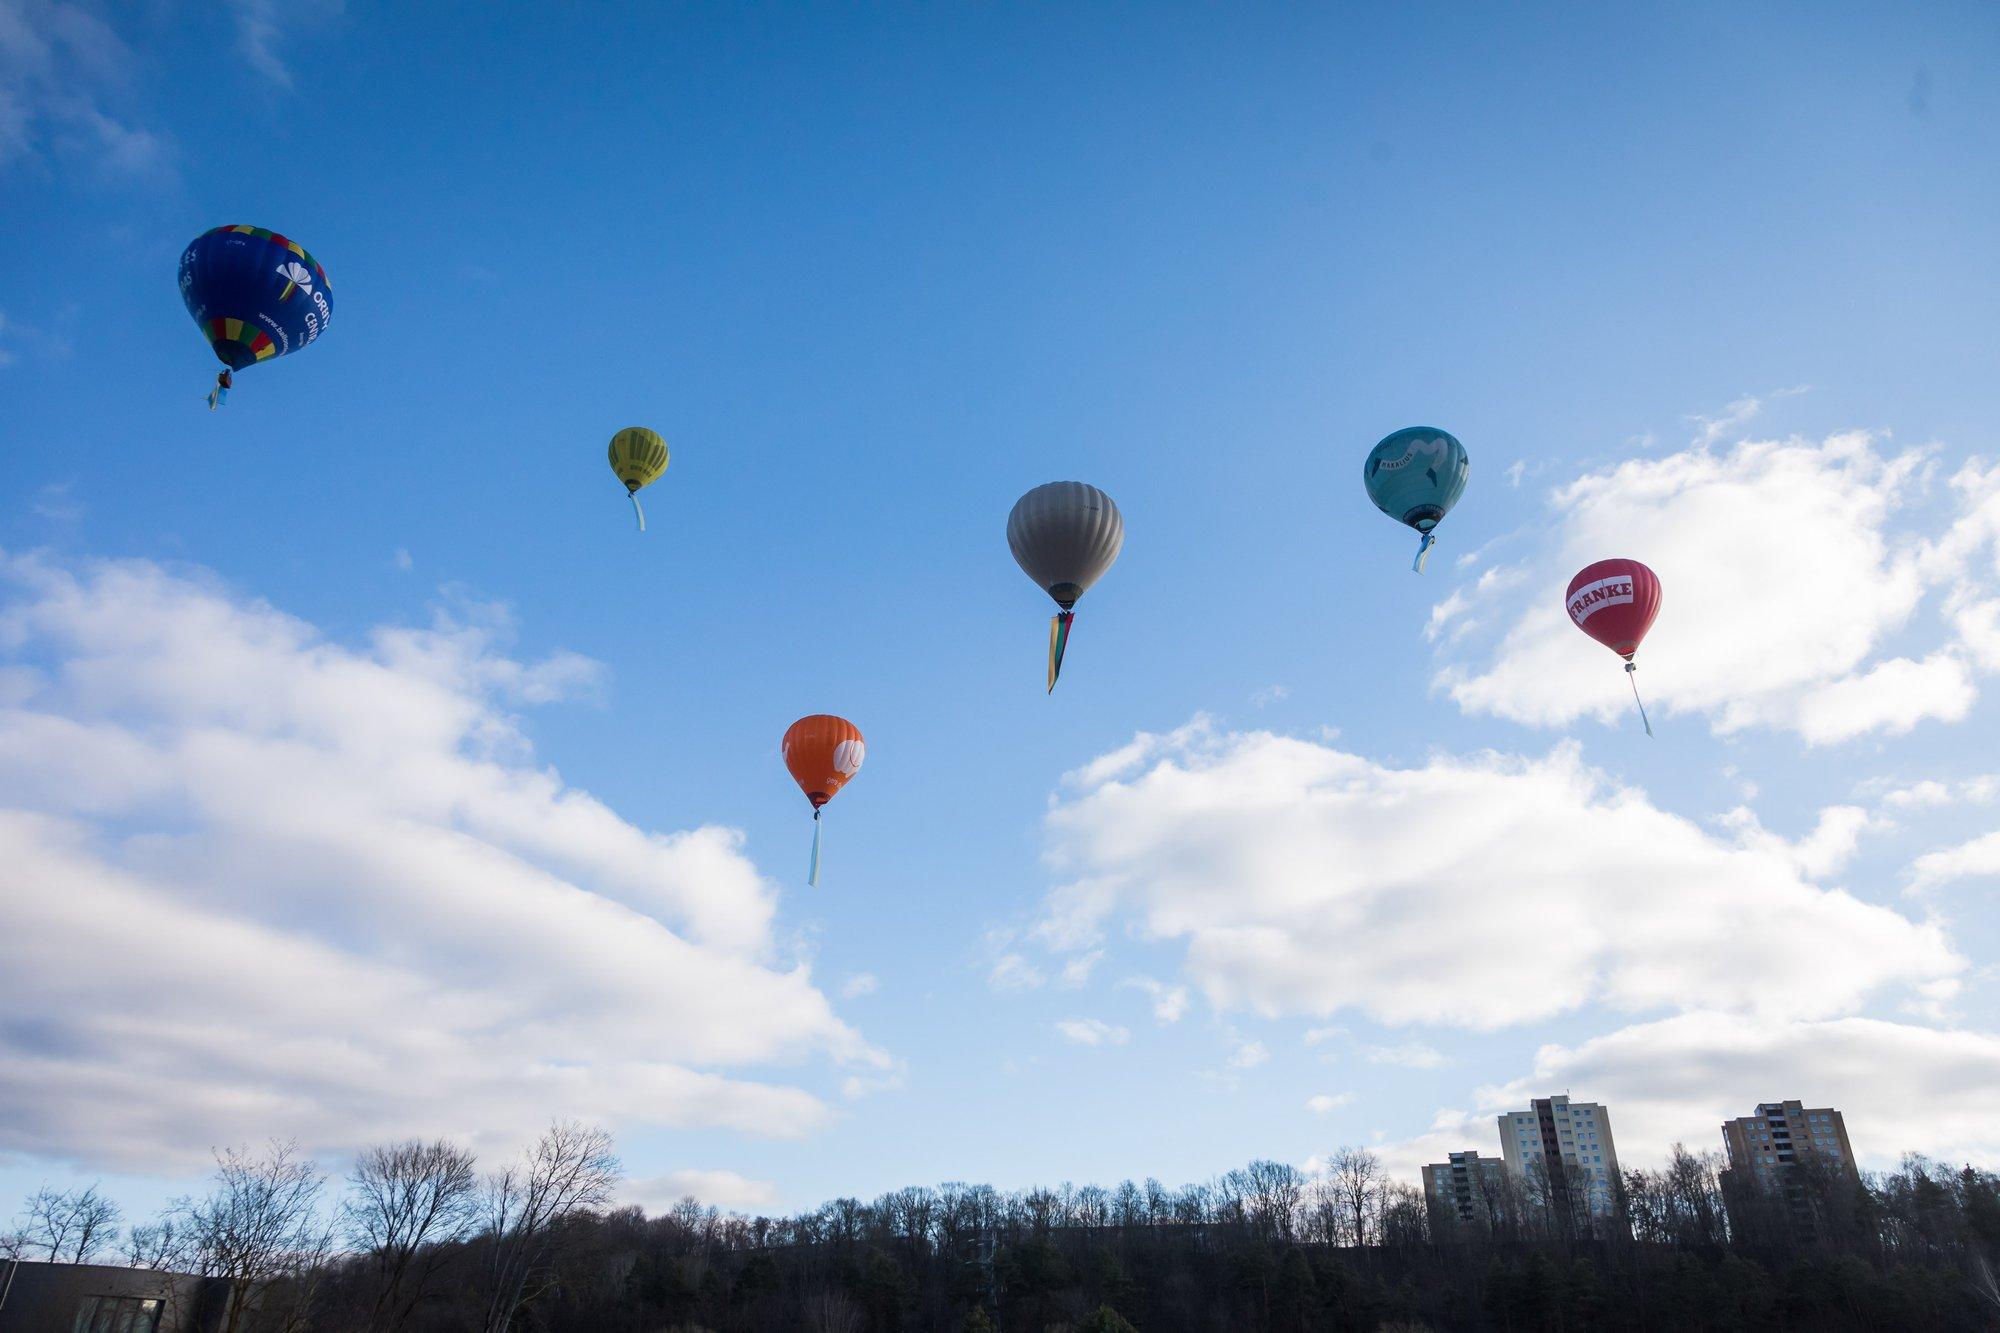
[(1902, 1087), (861, 983), (1474, 891), (1093, 1032), (1788, 568), (1325, 1102), (287, 886)]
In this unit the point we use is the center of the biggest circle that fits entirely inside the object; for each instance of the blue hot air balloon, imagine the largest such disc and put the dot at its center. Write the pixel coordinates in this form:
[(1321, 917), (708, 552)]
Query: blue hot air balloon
[(1415, 476), (255, 294)]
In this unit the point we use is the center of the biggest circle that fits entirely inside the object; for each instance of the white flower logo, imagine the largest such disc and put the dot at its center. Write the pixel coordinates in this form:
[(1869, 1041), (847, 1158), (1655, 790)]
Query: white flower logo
[(296, 275), (847, 757)]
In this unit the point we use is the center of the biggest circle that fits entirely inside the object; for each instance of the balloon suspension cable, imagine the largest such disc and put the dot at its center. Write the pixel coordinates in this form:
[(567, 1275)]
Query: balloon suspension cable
[(1632, 673), (1058, 641), (812, 874), (634, 497), (1423, 552)]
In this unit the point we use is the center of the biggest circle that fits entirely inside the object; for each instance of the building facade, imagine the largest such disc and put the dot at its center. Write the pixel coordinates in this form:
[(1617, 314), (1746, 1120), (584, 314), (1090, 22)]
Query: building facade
[(103, 1298), (1566, 1144), (1464, 1186), (1782, 1134)]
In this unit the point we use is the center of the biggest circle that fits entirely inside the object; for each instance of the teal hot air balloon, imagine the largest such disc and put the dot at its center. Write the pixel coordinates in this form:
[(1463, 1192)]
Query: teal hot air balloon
[(1415, 476)]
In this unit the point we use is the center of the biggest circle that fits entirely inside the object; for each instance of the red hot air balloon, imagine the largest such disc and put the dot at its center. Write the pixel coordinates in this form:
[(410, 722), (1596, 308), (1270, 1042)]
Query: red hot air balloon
[(823, 752), (1615, 602)]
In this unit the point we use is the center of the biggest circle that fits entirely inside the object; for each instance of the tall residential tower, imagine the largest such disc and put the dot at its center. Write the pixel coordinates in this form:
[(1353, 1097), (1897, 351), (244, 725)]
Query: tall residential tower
[(1568, 1142)]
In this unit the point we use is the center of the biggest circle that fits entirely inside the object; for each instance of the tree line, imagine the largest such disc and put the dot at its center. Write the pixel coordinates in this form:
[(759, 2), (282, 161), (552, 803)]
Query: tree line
[(418, 1240)]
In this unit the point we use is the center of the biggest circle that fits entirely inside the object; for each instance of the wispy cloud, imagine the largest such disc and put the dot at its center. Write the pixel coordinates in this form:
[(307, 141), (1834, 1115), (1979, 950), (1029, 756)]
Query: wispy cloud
[(264, 26), (1406, 1055), (65, 91), (1093, 1032)]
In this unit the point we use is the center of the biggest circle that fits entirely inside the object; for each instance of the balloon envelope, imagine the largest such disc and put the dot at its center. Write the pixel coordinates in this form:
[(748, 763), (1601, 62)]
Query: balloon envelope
[(823, 752), (638, 456), (1615, 602), (1416, 475), (1064, 536), (254, 294)]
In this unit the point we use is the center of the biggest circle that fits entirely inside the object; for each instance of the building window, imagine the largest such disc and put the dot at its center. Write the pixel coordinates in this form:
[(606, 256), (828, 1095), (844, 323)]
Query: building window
[(117, 1314)]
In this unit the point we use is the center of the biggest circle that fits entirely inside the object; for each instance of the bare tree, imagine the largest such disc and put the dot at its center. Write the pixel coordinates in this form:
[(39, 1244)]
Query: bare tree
[(163, 1245), (408, 1204), (570, 1170), (1271, 1192), (1355, 1176), (261, 1223), (71, 1225)]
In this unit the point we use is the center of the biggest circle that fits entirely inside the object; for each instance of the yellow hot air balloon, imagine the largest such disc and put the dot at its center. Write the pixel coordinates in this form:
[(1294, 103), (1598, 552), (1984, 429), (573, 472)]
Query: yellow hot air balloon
[(639, 457)]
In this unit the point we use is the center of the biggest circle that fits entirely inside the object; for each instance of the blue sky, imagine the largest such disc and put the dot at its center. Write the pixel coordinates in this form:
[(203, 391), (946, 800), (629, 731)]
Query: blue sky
[(1712, 284)]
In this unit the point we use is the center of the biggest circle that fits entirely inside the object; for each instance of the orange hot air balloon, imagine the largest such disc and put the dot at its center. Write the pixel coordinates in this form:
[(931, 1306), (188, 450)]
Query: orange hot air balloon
[(823, 752)]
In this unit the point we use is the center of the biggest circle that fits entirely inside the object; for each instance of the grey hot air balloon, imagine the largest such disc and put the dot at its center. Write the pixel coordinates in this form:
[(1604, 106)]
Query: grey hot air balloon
[(1064, 536)]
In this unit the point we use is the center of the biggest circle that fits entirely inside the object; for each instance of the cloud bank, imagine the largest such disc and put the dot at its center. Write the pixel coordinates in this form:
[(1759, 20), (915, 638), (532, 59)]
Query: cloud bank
[(259, 883), (1476, 891), (1792, 569)]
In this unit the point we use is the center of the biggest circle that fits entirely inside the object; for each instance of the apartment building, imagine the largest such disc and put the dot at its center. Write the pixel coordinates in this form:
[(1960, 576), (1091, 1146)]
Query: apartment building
[(1464, 1185), (1781, 1134), (1567, 1142)]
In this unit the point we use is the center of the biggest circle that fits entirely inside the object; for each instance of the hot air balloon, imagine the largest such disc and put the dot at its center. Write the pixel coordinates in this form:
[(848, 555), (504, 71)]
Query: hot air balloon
[(1415, 476), (823, 752), (256, 295), (639, 457), (1064, 536), (1615, 603)]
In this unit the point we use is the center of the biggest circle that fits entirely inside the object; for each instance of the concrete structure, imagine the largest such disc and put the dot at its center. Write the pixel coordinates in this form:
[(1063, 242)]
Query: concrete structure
[(1786, 1164), (100, 1298), (1567, 1142), (1463, 1186), (1781, 1134)]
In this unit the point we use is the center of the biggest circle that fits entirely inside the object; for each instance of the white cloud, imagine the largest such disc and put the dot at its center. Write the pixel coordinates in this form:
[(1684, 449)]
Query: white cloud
[(1901, 1087), (1093, 1032), (716, 1189), (1979, 858), (1012, 971), (264, 27), (1249, 1055), (1076, 971), (1170, 1003), (64, 76), (1407, 1055), (1929, 793), (297, 888), (1477, 891), (1787, 567), (1821, 853), (1732, 416), (1324, 1103), (858, 985)]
